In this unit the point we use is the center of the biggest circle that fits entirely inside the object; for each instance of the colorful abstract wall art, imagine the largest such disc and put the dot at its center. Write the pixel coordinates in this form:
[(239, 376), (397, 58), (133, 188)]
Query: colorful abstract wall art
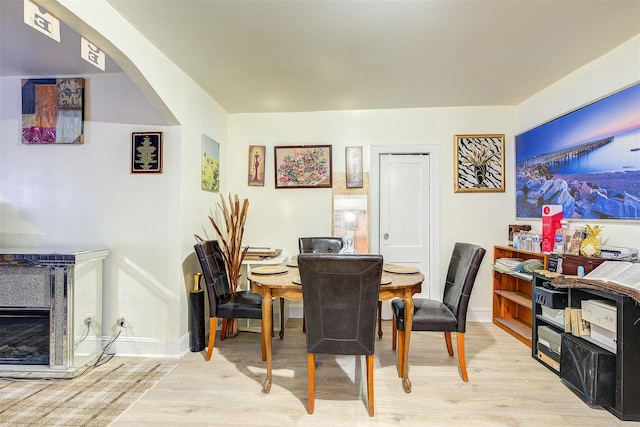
[(53, 111)]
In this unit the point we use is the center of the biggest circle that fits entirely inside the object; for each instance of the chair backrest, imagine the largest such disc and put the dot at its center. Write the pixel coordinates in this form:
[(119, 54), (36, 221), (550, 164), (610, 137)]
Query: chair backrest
[(340, 295), (461, 275), (213, 272), (320, 245)]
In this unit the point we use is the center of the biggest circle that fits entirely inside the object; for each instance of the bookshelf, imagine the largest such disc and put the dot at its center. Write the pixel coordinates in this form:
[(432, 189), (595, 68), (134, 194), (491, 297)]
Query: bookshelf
[(512, 294)]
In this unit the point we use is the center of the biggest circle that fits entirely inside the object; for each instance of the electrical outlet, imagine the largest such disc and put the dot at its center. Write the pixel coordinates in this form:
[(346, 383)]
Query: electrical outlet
[(122, 320), (88, 318)]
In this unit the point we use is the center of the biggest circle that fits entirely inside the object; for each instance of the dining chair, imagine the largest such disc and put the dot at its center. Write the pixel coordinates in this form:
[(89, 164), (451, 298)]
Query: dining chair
[(447, 316), (222, 303), (340, 295), (321, 245), (318, 245)]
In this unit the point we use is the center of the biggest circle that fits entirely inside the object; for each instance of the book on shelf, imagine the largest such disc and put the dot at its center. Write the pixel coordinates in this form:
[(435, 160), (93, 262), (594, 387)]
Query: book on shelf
[(579, 327), (621, 273)]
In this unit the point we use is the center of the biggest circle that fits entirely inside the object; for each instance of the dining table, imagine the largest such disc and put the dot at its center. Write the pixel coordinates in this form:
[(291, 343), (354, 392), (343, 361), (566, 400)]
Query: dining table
[(284, 282)]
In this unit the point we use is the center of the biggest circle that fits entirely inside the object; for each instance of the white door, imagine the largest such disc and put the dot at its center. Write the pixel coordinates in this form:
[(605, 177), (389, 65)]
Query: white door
[(404, 211)]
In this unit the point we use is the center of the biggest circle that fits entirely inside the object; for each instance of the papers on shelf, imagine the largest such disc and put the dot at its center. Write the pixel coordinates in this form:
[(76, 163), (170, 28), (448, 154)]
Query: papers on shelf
[(506, 264), (621, 273)]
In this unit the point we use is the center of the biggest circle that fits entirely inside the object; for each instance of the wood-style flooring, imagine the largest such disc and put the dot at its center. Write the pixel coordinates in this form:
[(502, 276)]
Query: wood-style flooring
[(506, 387)]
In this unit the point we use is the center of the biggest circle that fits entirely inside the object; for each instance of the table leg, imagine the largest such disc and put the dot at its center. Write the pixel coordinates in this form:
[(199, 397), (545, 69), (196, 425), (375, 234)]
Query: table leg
[(267, 321), (408, 325)]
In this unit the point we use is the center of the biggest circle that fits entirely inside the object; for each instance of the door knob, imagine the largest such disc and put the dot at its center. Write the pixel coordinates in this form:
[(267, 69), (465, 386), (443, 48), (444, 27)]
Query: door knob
[(386, 236)]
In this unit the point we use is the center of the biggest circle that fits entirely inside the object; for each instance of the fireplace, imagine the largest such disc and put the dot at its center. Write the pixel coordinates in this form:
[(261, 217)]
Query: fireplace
[(24, 335), (45, 299)]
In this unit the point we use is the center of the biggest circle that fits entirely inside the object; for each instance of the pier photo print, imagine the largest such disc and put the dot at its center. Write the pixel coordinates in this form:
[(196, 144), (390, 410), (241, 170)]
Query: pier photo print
[(588, 161)]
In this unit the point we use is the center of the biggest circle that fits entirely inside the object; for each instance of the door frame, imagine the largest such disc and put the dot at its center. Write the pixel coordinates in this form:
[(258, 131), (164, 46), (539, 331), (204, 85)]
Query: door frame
[(433, 275)]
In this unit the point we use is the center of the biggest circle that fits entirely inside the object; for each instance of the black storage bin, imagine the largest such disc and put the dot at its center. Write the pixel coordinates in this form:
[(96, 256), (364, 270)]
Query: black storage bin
[(588, 370), (553, 298)]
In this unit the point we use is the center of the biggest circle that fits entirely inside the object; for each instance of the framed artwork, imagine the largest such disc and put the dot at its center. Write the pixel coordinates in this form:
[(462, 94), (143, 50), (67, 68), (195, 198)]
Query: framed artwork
[(353, 167), (303, 166), (53, 111), (587, 161), (256, 165), (479, 163), (210, 176), (146, 152)]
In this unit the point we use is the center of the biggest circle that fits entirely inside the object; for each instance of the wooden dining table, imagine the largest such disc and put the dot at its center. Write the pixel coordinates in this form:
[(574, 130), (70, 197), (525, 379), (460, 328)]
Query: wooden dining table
[(281, 285)]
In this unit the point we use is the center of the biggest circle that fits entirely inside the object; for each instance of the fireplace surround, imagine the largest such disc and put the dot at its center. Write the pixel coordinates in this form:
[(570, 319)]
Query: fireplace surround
[(50, 311)]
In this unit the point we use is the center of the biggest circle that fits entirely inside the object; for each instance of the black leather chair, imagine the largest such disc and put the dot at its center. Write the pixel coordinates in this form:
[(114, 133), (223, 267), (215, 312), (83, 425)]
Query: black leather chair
[(318, 245), (447, 316), (327, 245), (340, 295), (242, 305)]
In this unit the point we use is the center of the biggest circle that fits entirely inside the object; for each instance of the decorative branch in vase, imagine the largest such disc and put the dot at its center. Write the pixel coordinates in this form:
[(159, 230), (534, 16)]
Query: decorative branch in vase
[(230, 234)]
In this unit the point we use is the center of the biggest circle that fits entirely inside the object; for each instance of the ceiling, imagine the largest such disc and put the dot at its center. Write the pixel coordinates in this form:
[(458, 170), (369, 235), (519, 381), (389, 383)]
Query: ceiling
[(304, 55)]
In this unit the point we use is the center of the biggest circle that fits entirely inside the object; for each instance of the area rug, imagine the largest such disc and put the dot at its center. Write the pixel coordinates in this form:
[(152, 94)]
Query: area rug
[(95, 398)]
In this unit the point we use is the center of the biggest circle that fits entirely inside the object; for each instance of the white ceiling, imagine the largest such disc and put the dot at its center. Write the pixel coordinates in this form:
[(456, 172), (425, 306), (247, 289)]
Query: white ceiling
[(303, 55)]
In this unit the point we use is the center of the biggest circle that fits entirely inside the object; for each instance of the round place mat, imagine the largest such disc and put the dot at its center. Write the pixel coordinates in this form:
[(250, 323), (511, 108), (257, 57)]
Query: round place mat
[(293, 263), (270, 269), (297, 280), (400, 269), (385, 280)]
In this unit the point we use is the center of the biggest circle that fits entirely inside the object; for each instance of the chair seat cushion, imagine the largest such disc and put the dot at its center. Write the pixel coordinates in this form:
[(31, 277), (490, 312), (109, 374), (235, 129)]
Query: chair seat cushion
[(241, 305), (428, 315)]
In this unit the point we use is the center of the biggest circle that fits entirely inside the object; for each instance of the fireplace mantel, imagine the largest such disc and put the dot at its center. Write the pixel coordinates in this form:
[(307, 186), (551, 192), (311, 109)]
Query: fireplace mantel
[(65, 285)]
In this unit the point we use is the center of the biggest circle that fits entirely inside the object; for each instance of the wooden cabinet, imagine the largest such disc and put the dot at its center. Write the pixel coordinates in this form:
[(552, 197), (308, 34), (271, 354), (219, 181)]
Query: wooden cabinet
[(512, 294)]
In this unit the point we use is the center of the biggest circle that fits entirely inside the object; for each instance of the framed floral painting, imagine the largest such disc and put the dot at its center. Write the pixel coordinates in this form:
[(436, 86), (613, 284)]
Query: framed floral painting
[(479, 163), (303, 166)]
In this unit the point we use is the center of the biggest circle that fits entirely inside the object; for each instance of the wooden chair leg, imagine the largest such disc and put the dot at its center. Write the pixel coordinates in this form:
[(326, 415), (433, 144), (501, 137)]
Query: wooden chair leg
[(281, 318), (447, 339), (311, 374), (223, 331), (263, 337), (461, 358), (400, 353), (212, 336), (379, 319), (370, 384), (394, 333)]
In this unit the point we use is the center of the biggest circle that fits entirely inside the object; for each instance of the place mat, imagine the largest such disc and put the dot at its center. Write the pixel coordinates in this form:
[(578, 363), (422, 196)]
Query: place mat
[(385, 280), (297, 280), (400, 269), (270, 269), (292, 263)]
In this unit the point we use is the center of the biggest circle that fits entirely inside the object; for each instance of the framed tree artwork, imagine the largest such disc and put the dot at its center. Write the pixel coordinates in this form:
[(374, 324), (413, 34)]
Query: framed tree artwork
[(479, 163), (146, 152)]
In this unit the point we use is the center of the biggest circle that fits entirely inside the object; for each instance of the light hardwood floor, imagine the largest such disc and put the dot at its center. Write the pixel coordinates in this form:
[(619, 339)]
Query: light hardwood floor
[(506, 387)]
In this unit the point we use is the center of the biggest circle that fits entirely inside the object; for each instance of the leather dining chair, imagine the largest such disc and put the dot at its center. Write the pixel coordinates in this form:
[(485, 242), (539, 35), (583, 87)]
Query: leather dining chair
[(318, 245), (447, 316), (242, 305), (340, 295), (324, 245)]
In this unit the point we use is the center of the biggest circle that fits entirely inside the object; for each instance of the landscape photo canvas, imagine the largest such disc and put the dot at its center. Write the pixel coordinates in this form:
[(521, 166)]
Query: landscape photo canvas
[(587, 161)]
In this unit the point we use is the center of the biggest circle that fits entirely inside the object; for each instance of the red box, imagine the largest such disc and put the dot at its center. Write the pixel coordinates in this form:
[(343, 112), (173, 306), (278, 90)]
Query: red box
[(551, 217)]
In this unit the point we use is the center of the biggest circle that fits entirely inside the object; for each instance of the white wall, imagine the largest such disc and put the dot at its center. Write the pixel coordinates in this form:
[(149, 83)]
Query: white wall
[(610, 73), (84, 196), (279, 217)]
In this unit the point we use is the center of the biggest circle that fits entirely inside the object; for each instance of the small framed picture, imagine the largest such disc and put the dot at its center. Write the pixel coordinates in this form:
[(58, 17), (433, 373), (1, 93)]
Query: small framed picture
[(303, 166), (146, 152), (353, 167), (256, 165), (479, 163)]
